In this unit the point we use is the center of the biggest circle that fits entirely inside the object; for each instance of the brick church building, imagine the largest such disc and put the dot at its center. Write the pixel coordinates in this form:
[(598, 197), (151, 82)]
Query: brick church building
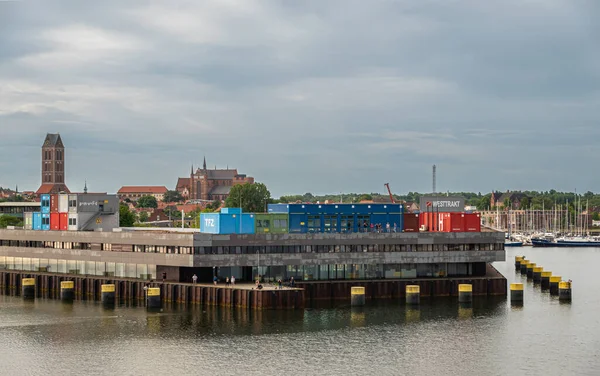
[(210, 185), (53, 166)]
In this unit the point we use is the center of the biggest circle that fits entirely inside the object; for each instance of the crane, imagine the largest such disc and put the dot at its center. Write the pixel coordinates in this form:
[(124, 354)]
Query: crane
[(387, 185)]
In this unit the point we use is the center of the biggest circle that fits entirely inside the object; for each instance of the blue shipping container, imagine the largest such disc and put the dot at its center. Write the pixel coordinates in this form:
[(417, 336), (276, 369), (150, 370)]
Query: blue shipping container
[(45, 204), (37, 221), (45, 222), (298, 223), (231, 211), (215, 223), (278, 208), (210, 223)]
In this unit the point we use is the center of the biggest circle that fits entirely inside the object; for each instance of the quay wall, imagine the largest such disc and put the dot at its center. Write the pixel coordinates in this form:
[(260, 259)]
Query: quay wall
[(132, 291)]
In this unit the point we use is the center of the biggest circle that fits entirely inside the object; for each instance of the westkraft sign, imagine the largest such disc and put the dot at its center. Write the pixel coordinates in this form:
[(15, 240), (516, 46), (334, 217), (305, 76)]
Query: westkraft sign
[(442, 204)]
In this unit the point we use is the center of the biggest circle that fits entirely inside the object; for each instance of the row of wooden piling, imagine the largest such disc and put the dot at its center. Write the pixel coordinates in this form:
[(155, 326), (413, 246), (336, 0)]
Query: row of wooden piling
[(152, 294), (536, 273)]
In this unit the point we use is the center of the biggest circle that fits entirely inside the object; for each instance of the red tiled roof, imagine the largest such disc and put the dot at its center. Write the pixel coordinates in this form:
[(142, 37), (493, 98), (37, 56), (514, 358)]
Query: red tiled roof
[(143, 189), (44, 189), (183, 183)]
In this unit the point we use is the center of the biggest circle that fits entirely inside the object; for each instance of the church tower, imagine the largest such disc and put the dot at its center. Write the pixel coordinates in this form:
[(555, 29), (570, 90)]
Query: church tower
[(53, 165)]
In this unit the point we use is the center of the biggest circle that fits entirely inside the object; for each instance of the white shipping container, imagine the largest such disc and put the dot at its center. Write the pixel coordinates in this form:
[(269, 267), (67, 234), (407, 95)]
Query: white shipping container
[(63, 203), (73, 222), (72, 203), (28, 220)]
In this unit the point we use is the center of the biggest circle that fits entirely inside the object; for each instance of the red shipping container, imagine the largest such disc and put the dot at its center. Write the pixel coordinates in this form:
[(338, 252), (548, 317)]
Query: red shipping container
[(431, 221), (54, 221), (54, 205), (411, 222), (472, 222), (457, 222), (63, 221)]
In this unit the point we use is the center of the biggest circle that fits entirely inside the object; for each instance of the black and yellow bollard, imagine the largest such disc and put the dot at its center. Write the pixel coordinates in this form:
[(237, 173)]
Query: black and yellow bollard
[(28, 288), (530, 267), (545, 281), (67, 291), (153, 298), (357, 296), (554, 281), (516, 293), (465, 293), (564, 291), (518, 260), (537, 274), (108, 295), (413, 294), (524, 264)]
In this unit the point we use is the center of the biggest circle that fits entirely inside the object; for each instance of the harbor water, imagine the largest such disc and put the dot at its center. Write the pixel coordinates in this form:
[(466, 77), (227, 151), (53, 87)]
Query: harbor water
[(489, 337)]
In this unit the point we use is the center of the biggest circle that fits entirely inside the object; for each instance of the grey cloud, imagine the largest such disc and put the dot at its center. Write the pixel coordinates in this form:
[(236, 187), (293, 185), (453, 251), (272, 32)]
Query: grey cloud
[(306, 96)]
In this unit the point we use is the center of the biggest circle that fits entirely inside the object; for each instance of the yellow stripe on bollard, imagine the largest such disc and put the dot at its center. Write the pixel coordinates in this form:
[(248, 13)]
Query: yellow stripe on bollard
[(67, 285), (564, 285), (547, 274), (555, 279), (465, 288), (108, 288), (538, 269), (357, 290), (416, 289), (516, 287)]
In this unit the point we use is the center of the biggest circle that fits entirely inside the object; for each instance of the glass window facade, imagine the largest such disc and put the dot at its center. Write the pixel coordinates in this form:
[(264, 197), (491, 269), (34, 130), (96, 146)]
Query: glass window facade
[(143, 271)]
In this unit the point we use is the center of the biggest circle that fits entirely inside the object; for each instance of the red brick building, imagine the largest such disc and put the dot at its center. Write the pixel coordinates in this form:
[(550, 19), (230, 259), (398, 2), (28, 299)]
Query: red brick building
[(53, 166), (210, 185)]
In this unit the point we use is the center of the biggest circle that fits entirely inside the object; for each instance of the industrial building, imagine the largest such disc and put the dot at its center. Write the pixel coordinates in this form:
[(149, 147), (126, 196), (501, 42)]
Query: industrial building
[(74, 212)]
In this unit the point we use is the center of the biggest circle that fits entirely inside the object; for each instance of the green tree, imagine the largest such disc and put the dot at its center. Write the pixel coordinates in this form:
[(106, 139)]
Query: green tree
[(524, 203), (147, 202), (253, 198), (9, 220), (214, 205), (143, 217), (172, 196), (126, 217), (365, 197), (596, 216)]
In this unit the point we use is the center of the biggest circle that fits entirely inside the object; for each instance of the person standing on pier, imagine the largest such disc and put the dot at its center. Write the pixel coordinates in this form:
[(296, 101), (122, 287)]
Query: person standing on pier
[(215, 279), (232, 281), (227, 282), (395, 227), (292, 282), (164, 276), (194, 279), (280, 283), (387, 227)]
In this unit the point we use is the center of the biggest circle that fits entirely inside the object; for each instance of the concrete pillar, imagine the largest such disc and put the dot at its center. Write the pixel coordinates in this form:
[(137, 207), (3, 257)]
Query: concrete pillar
[(554, 281), (465, 293), (108, 294), (67, 291), (28, 288), (564, 291), (413, 294), (153, 298), (518, 260), (516, 292), (545, 279), (524, 264), (357, 296), (537, 274), (530, 267)]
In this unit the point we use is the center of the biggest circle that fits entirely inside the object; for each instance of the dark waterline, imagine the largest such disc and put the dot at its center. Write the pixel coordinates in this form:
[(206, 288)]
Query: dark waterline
[(490, 337)]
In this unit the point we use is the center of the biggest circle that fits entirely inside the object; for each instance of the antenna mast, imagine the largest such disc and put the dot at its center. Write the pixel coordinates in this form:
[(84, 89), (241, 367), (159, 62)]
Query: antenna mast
[(434, 178)]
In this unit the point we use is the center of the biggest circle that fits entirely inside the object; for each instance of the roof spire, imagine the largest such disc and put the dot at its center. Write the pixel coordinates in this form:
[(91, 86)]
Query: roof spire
[(192, 173), (85, 190), (204, 165)]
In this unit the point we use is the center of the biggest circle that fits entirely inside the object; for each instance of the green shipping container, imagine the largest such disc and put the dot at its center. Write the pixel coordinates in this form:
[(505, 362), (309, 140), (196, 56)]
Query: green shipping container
[(276, 223)]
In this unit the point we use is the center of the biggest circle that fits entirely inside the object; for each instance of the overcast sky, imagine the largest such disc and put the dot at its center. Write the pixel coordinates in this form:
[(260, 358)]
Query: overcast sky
[(306, 96)]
